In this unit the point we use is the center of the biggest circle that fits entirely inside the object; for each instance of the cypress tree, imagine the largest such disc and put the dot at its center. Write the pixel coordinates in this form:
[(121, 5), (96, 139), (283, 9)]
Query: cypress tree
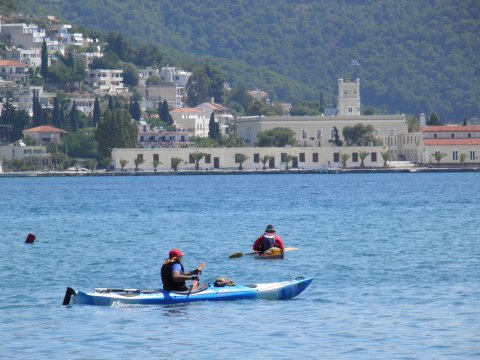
[(213, 128), (111, 104), (96, 113), (56, 121), (165, 114), (44, 60), (37, 110), (135, 111), (74, 117)]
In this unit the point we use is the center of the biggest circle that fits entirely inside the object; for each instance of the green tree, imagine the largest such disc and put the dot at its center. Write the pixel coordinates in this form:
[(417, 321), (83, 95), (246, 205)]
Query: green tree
[(385, 157), (165, 113), (13, 122), (136, 112), (130, 75), (264, 161), (197, 88), (155, 164), (96, 112), (138, 161), (359, 135), (363, 155), (123, 163), (56, 117), (438, 156), (434, 120), (213, 128), (278, 137), (463, 157), (240, 159), (37, 117), (197, 156), (175, 161), (116, 130), (344, 157), (323, 104), (288, 159), (336, 138), (44, 60), (74, 117), (413, 124)]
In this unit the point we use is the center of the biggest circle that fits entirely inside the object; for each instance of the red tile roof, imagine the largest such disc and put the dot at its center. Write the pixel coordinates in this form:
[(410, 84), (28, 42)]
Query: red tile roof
[(12, 63), (451, 128), (45, 129), (444, 142)]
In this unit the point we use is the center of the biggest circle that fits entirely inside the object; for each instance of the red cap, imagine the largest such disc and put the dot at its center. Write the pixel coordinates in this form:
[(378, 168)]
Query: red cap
[(175, 253)]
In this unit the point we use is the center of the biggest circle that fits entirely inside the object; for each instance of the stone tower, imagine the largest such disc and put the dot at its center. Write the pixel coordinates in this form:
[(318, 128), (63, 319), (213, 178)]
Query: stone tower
[(348, 97)]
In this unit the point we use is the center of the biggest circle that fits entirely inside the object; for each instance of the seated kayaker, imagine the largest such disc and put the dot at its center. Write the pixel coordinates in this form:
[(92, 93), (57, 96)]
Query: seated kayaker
[(268, 240), (173, 273)]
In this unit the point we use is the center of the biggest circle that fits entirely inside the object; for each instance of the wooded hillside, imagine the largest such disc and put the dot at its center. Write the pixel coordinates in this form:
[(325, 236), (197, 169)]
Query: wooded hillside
[(414, 56)]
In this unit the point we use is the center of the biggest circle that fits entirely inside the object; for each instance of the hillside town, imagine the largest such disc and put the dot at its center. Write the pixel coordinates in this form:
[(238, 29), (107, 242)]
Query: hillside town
[(319, 140)]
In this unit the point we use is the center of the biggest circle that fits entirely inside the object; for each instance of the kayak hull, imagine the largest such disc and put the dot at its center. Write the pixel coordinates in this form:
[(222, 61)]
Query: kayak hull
[(207, 292)]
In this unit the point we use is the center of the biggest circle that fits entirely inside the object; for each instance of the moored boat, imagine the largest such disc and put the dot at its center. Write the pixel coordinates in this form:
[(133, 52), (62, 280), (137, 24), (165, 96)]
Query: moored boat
[(204, 292)]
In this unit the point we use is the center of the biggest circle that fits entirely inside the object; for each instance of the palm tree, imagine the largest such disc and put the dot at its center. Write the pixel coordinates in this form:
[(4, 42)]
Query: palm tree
[(438, 156), (138, 161), (175, 161), (385, 157), (155, 164), (264, 161), (363, 155), (123, 163), (197, 157), (240, 159), (288, 159), (344, 158)]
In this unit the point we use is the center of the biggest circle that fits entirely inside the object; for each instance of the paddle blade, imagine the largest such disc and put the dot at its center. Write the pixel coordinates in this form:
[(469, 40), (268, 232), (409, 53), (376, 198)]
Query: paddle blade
[(291, 249), (236, 255)]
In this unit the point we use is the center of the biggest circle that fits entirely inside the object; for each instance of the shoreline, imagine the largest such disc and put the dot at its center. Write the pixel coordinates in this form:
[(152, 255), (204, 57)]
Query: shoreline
[(242, 172)]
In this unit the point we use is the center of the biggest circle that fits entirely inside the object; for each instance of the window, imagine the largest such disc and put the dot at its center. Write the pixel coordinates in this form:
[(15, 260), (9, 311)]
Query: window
[(472, 154), (301, 157), (336, 157), (191, 159), (332, 134), (319, 134), (435, 136), (304, 134), (454, 155), (391, 132), (354, 157), (373, 156), (453, 135), (256, 158), (350, 109), (156, 157), (283, 157), (208, 159), (315, 157)]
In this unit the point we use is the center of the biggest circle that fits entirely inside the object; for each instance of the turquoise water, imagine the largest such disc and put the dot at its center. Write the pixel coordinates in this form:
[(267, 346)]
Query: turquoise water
[(395, 257)]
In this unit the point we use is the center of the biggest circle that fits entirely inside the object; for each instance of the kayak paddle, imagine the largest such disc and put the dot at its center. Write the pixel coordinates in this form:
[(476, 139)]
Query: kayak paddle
[(239, 254)]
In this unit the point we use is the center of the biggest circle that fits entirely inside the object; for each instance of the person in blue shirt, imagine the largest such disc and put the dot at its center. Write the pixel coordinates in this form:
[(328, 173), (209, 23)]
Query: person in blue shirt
[(173, 273)]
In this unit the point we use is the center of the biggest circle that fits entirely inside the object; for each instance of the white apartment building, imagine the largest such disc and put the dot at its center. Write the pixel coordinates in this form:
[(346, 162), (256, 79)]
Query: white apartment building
[(31, 57), (105, 81), (191, 119)]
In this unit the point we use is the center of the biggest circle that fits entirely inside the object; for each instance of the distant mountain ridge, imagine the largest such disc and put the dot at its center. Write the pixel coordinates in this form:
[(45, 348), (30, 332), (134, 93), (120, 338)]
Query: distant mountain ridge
[(414, 56)]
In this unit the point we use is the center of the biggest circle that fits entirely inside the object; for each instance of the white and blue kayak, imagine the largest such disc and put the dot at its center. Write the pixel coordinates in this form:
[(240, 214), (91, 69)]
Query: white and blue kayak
[(204, 292)]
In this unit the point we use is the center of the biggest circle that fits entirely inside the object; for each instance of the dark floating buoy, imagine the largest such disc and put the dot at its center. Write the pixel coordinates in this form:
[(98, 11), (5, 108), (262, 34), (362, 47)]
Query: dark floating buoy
[(30, 239)]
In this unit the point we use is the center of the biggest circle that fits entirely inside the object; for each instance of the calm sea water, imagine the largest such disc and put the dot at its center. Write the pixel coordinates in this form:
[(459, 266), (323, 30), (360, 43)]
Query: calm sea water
[(395, 257)]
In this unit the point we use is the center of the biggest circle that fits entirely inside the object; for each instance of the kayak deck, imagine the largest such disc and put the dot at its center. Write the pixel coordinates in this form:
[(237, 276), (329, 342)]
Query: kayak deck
[(205, 292)]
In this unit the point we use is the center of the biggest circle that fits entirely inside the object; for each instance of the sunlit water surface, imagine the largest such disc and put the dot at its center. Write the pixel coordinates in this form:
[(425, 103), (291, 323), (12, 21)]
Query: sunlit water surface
[(395, 260)]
